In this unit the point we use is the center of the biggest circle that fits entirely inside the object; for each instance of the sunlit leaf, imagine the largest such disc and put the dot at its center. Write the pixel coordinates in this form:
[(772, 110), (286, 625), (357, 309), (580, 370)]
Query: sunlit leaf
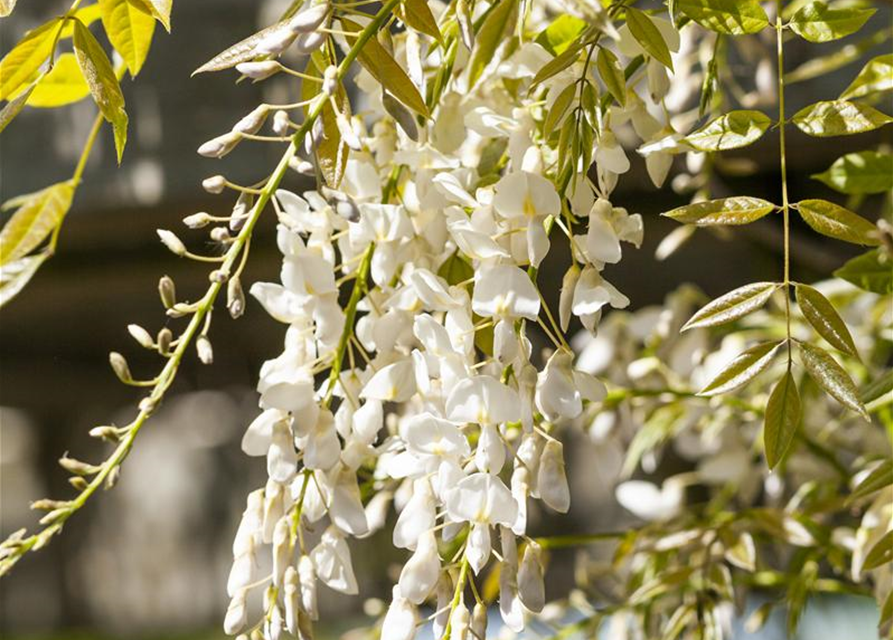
[(611, 73), (782, 419), (34, 221), (561, 33), (879, 477), (158, 9), (876, 75), (495, 30), (15, 275), (743, 554), (646, 34), (86, 15), (742, 369), (733, 17), (820, 313), (103, 83), (560, 62), (731, 131), (129, 29), (331, 150), (831, 377), (18, 67), (733, 305), (559, 108), (860, 173), (881, 553), (733, 211), (12, 108), (836, 222), (817, 22), (242, 51), (880, 386), (417, 14), (381, 66), (64, 84), (871, 271), (838, 118), (847, 54)]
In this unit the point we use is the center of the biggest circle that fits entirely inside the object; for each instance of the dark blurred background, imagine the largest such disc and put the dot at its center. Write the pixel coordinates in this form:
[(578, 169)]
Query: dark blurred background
[(151, 557)]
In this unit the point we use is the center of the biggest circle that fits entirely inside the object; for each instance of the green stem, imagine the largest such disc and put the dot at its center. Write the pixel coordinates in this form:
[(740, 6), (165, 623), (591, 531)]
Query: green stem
[(785, 205), (559, 542), (457, 596)]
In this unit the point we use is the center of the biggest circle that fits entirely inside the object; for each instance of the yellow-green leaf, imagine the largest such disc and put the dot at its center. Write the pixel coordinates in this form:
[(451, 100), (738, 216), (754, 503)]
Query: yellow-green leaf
[(129, 29), (860, 173), (733, 130), (34, 220), (881, 553), (64, 84), (331, 150), (732, 17), (817, 22), (820, 313), (646, 34), (876, 76), (12, 108), (381, 66), (496, 29), (831, 377), (838, 118), (782, 419), (878, 478), (417, 14), (732, 305), (103, 83), (733, 211), (848, 53), (560, 62), (20, 65), (87, 16), (15, 275), (872, 271), (611, 73), (742, 369), (559, 108), (834, 221), (561, 33), (158, 9)]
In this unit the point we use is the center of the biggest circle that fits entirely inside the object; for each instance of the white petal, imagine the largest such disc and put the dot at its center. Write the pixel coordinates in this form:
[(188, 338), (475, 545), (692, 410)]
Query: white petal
[(505, 291)]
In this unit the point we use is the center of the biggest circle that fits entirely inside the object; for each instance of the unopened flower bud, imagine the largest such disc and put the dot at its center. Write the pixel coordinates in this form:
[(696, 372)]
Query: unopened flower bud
[(275, 42), (258, 70), (303, 167), (309, 19), (220, 234), (291, 593), (281, 123), (218, 275), (307, 578), (164, 339), (167, 291), (205, 350), (214, 184), (77, 467), (236, 614), (180, 309), (552, 479), (172, 242), (111, 434), (220, 146), (112, 478), (120, 367), (51, 518), (479, 620), (45, 504), (143, 337), (459, 622), (330, 80), (78, 483), (531, 587), (309, 42), (241, 211), (235, 298), (348, 136), (253, 121), (147, 405)]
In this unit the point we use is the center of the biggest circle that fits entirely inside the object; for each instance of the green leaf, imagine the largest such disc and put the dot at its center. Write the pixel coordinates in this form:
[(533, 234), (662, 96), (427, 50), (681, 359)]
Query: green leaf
[(849, 53), (561, 33), (158, 9), (381, 66), (881, 553), (734, 130), (742, 369), (732, 17), (871, 271), (456, 269), (87, 16), (879, 477), (820, 313), (129, 29), (34, 220), (817, 22), (611, 73), (646, 34), (733, 211), (64, 84), (103, 83), (733, 305), (875, 76), (782, 419), (559, 108), (18, 67), (12, 108), (838, 118), (15, 275), (242, 51), (860, 173), (831, 377), (417, 14), (331, 151), (496, 29), (877, 388), (834, 221)]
